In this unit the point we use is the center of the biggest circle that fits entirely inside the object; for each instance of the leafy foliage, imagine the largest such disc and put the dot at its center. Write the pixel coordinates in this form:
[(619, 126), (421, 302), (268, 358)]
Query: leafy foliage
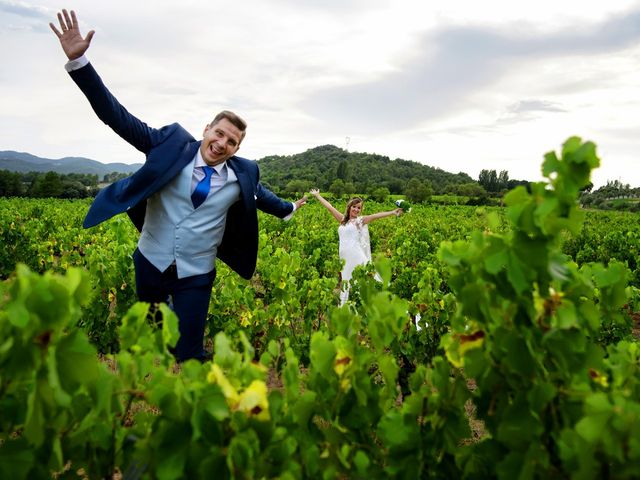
[(536, 342)]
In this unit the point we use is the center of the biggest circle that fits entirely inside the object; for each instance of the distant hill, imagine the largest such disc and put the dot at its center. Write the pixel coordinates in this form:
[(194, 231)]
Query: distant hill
[(25, 162), (322, 165)]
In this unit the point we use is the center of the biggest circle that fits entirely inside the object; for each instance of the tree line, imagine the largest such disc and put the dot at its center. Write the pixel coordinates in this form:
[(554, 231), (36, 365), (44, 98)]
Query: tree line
[(329, 168), (53, 184), (615, 195)]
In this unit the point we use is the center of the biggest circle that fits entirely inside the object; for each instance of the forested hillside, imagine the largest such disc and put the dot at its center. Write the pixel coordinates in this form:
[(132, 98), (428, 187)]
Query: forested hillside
[(321, 166)]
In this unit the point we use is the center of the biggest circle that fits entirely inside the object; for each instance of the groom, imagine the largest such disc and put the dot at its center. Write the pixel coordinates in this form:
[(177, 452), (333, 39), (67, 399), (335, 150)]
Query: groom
[(192, 201)]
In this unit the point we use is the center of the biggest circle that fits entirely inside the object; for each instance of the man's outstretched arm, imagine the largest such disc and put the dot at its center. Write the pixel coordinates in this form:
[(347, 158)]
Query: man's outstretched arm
[(73, 44), (106, 106), (270, 203)]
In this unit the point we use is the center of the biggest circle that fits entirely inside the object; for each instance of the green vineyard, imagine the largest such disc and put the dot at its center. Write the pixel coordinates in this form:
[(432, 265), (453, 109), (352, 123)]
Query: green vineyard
[(501, 343)]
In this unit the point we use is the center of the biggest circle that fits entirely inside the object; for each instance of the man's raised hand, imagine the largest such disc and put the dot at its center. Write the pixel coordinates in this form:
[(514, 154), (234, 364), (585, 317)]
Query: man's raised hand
[(72, 42)]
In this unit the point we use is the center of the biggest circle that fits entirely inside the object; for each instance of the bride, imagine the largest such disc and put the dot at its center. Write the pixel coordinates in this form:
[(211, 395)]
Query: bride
[(353, 232)]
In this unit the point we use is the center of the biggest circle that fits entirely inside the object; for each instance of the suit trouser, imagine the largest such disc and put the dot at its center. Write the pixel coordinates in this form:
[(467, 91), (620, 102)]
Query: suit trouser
[(189, 298)]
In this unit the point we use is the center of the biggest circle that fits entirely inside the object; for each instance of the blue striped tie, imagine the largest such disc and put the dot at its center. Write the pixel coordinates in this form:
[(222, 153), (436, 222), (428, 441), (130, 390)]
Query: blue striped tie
[(199, 195)]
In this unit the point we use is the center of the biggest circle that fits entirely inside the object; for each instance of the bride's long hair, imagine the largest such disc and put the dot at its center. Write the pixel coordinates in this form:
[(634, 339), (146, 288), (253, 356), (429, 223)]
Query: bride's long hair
[(350, 204)]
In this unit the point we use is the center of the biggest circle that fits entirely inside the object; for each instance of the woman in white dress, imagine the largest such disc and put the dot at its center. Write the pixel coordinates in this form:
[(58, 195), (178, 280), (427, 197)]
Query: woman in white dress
[(353, 232)]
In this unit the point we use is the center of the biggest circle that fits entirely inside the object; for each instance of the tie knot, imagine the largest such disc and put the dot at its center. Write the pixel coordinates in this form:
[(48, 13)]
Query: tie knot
[(202, 188)]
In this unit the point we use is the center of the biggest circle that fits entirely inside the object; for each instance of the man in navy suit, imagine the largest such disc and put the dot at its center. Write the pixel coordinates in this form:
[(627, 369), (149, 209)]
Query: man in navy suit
[(192, 201)]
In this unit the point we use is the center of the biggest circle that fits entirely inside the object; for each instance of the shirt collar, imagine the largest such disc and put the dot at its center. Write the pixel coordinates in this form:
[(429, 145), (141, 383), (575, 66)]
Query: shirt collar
[(201, 163)]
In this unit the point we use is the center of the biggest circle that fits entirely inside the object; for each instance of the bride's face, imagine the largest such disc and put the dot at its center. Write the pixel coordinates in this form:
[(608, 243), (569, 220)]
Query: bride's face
[(355, 210)]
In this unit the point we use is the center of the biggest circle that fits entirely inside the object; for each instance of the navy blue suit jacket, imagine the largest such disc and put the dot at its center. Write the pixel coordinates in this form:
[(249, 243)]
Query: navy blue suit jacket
[(168, 150)]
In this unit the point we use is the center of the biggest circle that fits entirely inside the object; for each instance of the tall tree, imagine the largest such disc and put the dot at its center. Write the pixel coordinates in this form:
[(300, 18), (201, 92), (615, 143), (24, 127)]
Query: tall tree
[(380, 194), (337, 187), (471, 189), (50, 185), (10, 184), (489, 180), (342, 172), (417, 191), (503, 180), (298, 186)]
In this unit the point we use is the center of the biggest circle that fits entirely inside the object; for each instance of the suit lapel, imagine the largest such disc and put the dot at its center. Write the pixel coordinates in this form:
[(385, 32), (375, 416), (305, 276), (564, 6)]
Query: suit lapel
[(244, 180), (170, 168), (151, 178)]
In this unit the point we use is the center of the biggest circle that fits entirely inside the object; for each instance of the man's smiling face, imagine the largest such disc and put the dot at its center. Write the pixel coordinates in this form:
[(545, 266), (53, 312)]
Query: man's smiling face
[(220, 141)]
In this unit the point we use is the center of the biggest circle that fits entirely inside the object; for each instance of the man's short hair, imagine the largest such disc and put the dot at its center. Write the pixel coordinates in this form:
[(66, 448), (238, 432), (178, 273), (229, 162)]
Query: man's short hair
[(233, 118)]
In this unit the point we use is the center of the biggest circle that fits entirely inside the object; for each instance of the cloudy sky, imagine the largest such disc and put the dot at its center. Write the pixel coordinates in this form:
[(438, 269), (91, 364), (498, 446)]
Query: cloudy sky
[(460, 85)]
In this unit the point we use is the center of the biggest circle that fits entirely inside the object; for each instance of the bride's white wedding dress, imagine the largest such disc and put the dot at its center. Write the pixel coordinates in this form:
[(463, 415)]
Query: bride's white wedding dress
[(355, 249)]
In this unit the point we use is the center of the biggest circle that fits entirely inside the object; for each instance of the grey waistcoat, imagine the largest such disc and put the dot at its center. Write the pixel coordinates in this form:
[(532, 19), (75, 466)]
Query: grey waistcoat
[(174, 231)]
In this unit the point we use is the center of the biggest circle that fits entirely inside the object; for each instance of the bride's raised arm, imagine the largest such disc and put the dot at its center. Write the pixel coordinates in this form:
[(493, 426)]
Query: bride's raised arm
[(375, 216), (336, 214)]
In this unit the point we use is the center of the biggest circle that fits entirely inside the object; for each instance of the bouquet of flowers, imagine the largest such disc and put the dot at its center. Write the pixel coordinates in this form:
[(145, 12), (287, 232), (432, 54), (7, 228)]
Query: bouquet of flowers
[(404, 205)]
